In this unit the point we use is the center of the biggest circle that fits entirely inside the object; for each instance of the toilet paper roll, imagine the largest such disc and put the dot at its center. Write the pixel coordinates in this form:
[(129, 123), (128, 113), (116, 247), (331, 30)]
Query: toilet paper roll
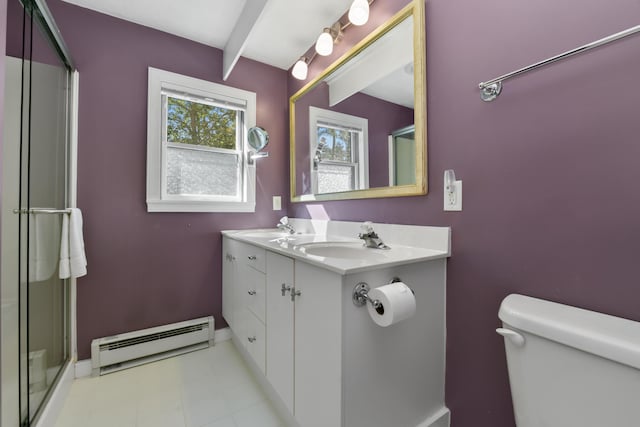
[(398, 304)]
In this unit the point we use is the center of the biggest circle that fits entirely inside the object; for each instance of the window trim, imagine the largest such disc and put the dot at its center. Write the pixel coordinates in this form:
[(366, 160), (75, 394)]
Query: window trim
[(160, 81), (347, 121)]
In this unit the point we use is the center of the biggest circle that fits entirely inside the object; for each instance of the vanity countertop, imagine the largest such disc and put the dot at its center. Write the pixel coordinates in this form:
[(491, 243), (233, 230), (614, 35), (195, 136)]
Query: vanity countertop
[(335, 252)]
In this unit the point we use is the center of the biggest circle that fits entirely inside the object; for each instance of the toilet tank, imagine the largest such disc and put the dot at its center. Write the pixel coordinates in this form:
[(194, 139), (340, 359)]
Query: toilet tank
[(570, 367)]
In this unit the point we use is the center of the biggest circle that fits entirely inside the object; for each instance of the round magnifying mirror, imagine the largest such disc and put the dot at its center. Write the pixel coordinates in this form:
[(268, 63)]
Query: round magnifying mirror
[(258, 138)]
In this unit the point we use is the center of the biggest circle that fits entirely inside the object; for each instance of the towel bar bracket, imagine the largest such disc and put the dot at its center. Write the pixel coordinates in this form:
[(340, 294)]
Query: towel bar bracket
[(490, 92)]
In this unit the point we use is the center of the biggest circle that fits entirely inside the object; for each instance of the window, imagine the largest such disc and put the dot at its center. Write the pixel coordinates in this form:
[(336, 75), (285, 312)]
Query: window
[(339, 155), (196, 146)]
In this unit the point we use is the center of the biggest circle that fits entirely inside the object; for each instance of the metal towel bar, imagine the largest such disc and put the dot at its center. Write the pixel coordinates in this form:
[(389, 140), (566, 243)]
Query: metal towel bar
[(490, 89)]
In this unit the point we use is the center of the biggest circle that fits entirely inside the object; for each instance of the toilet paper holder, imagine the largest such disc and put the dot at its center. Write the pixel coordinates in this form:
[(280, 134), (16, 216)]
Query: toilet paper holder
[(360, 296)]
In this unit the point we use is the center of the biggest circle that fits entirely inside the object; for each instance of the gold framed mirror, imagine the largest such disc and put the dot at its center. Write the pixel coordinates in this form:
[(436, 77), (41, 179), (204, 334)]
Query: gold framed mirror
[(359, 129)]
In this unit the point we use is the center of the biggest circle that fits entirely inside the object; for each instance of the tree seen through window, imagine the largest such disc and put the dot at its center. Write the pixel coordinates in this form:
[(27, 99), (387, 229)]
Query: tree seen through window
[(335, 144), (194, 123)]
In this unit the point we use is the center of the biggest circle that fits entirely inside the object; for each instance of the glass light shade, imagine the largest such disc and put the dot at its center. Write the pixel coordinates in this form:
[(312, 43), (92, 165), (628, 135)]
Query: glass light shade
[(359, 12), (324, 45), (300, 69)]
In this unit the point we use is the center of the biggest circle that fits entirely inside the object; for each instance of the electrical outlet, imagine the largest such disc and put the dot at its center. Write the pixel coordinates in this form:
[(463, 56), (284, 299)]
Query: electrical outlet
[(453, 199), (277, 203)]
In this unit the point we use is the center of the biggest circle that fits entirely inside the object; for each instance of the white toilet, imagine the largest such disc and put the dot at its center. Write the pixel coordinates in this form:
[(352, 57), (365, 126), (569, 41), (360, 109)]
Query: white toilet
[(570, 367)]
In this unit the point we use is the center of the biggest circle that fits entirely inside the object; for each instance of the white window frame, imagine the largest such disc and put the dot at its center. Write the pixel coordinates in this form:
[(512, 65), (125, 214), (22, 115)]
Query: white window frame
[(157, 199), (347, 121)]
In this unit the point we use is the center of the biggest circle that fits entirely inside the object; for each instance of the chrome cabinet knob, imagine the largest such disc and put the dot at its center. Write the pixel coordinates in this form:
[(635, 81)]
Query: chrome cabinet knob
[(295, 293), (252, 257), (251, 339), (251, 292)]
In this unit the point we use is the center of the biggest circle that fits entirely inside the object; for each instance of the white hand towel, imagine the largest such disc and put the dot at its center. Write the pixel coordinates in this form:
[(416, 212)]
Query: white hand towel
[(73, 261), (44, 230)]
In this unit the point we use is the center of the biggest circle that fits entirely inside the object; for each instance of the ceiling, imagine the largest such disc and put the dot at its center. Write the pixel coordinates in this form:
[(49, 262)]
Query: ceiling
[(277, 33)]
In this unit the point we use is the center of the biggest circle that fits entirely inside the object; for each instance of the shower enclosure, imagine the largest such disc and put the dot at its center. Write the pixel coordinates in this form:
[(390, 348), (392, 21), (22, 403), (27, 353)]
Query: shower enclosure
[(35, 196)]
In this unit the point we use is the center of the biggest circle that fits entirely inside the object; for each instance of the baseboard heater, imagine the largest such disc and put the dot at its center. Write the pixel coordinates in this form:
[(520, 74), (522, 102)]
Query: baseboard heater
[(114, 353)]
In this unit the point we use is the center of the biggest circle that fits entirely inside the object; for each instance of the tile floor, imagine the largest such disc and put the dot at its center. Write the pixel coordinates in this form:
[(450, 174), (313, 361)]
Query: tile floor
[(206, 388)]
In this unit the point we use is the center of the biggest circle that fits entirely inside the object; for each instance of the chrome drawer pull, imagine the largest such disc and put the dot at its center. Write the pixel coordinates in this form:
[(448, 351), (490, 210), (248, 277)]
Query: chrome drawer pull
[(284, 289), (251, 292), (252, 258), (251, 339)]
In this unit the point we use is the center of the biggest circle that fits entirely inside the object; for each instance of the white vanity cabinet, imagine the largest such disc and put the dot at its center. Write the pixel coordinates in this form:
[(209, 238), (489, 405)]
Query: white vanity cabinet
[(325, 362)]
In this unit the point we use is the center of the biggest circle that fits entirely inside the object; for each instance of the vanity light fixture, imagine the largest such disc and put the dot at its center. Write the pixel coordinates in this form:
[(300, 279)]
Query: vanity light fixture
[(300, 69), (359, 12), (358, 15), (326, 40), (324, 45)]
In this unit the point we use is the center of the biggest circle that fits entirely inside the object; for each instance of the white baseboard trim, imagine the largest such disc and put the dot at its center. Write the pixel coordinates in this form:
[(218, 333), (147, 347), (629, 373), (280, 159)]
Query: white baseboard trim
[(53, 406), (442, 418), (83, 367), (223, 334)]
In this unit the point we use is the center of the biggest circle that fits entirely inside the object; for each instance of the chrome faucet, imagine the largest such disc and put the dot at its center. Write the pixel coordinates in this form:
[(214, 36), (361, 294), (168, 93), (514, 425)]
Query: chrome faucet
[(284, 225), (370, 237)]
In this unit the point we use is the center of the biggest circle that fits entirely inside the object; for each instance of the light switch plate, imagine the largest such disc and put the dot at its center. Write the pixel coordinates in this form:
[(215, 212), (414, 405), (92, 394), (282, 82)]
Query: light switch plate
[(277, 203), (453, 203)]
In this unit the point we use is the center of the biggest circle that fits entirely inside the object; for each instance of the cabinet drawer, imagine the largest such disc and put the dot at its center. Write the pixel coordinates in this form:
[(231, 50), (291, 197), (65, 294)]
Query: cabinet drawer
[(255, 293), (256, 342), (252, 256)]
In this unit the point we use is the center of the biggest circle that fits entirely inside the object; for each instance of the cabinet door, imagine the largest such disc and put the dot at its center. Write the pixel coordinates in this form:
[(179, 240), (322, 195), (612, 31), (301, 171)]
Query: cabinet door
[(280, 327), (318, 347), (229, 254)]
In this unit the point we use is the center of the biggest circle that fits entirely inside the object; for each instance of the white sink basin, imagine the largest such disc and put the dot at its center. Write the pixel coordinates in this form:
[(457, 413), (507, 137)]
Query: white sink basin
[(275, 236), (343, 250), (264, 234)]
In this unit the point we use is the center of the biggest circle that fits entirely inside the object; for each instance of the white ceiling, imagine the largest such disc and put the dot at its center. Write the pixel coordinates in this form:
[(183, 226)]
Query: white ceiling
[(282, 33), (383, 70), (396, 87)]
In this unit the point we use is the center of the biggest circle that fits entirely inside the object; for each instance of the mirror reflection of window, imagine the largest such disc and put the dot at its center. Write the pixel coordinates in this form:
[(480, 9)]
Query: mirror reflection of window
[(337, 162), (339, 151), (336, 143)]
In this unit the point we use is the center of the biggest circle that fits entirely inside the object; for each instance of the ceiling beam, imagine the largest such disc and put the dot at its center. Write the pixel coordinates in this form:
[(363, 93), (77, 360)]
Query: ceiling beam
[(240, 34)]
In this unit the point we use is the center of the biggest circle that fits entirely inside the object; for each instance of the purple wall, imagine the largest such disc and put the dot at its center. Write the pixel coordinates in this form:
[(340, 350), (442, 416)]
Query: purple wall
[(550, 171), (14, 30), (38, 49), (149, 269)]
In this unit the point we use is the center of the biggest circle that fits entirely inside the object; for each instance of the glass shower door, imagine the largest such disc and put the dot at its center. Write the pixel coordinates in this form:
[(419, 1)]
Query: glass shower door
[(35, 192)]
